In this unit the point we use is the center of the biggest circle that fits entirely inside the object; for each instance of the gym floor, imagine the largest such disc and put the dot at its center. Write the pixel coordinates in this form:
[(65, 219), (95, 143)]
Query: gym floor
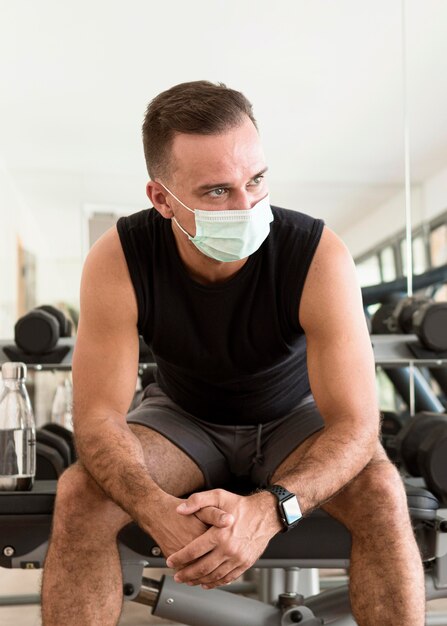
[(28, 582)]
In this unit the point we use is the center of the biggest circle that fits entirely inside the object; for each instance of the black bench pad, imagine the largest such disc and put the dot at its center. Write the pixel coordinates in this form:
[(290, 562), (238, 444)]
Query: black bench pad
[(25, 523)]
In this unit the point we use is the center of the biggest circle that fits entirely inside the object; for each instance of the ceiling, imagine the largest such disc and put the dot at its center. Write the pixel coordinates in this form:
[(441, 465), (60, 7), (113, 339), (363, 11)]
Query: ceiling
[(325, 78)]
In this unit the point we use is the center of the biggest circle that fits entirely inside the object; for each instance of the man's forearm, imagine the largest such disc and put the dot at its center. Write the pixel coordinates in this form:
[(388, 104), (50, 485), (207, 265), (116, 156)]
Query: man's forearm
[(113, 456), (336, 456)]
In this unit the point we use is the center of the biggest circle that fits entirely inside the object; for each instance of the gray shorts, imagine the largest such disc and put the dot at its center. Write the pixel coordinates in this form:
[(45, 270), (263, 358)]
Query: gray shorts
[(224, 452)]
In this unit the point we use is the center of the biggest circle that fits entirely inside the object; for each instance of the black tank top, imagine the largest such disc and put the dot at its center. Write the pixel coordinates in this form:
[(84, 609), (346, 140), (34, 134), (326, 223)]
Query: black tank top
[(234, 352)]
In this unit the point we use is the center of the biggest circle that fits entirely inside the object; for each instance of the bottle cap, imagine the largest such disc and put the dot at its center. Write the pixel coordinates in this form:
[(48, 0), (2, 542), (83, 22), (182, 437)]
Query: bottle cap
[(14, 371)]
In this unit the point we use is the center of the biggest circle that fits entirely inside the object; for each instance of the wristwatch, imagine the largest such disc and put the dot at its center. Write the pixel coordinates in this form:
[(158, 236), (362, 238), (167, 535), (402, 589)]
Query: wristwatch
[(288, 506)]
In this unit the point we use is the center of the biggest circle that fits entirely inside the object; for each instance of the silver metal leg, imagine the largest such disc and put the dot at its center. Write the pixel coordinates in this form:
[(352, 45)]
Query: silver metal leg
[(291, 580), (272, 582), (308, 581)]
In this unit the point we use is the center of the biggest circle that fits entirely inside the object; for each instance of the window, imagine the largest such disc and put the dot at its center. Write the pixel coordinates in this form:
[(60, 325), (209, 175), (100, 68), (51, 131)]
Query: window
[(419, 258), (388, 264), (368, 271), (438, 246), (388, 261)]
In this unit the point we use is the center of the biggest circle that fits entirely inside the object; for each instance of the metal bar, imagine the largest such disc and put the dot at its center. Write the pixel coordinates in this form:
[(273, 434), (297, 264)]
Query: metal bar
[(406, 128), (197, 607), (149, 591), (424, 397), (378, 293), (436, 619), (20, 600), (412, 389)]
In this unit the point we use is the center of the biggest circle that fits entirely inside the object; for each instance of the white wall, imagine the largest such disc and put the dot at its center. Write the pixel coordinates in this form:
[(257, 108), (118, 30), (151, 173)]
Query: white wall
[(16, 222), (54, 223), (8, 253), (434, 194)]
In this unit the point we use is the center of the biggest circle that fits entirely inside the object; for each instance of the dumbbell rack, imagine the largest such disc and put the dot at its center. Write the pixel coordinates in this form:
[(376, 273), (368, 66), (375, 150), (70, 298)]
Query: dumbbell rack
[(393, 350), (389, 350), (64, 365), (394, 354)]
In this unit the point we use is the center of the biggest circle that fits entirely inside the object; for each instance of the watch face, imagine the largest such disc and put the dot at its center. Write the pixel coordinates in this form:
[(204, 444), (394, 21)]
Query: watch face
[(292, 511)]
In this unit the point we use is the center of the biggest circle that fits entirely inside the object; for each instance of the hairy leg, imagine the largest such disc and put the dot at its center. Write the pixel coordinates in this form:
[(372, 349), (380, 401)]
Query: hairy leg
[(386, 573), (82, 582)]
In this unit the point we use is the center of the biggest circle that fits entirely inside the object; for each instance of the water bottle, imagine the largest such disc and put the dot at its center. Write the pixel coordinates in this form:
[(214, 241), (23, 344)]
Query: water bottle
[(17, 431), (61, 411)]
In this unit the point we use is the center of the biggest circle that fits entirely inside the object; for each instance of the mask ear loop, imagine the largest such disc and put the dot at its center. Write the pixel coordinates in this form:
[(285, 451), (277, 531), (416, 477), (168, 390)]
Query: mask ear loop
[(184, 205), (181, 228), (175, 197)]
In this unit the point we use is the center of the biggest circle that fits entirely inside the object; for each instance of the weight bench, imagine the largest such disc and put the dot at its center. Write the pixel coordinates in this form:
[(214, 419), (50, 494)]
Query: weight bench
[(317, 542)]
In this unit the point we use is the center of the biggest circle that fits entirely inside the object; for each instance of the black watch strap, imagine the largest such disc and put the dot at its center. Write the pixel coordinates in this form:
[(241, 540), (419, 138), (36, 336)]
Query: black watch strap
[(279, 492), (289, 518)]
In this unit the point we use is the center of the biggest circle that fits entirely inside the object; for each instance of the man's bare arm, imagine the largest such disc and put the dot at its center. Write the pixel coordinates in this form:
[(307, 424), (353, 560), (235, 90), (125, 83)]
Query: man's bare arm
[(342, 377), (105, 367)]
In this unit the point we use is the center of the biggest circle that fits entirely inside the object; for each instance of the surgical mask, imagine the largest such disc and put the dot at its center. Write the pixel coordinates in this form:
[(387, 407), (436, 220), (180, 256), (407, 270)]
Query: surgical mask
[(229, 235)]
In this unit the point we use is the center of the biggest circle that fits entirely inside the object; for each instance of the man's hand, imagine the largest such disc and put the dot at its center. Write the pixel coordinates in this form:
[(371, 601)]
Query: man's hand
[(172, 531), (220, 555)]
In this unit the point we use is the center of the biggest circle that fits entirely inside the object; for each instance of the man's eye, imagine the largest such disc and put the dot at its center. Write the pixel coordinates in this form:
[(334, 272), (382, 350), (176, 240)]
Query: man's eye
[(258, 179), (217, 192)]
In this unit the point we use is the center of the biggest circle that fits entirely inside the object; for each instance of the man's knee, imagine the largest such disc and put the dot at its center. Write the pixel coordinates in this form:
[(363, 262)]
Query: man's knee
[(375, 495), (381, 484), (75, 486), (80, 500)]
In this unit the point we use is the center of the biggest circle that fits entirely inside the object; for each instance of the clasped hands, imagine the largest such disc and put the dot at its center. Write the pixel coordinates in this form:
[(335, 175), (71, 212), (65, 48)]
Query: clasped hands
[(242, 527)]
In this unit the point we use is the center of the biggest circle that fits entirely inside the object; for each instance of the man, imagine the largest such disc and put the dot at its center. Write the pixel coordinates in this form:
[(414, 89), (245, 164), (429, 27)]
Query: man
[(248, 309)]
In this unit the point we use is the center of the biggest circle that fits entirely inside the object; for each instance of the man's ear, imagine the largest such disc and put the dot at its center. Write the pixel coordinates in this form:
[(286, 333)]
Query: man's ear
[(159, 198)]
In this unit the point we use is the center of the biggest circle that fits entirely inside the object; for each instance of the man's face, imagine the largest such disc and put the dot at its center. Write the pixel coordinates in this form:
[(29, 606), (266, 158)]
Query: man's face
[(216, 172)]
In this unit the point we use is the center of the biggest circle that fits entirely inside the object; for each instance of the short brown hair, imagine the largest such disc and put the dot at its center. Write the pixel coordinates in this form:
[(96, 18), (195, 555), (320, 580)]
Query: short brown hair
[(197, 107)]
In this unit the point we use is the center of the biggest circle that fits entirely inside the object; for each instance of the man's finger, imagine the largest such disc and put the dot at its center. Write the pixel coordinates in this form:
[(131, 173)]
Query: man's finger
[(198, 501), (227, 579), (201, 570), (194, 550), (219, 573), (213, 516)]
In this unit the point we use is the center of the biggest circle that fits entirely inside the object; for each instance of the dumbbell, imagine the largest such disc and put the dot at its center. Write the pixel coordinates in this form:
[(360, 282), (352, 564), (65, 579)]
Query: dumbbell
[(392, 422), (422, 316), (65, 434), (49, 462), (53, 454), (429, 323), (379, 321), (422, 448), (391, 425), (38, 331), (432, 460)]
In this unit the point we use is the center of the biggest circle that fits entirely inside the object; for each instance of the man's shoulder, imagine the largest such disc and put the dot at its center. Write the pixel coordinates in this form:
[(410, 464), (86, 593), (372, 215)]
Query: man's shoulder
[(106, 256), (288, 222), (139, 219), (105, 278), (138, 232)]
